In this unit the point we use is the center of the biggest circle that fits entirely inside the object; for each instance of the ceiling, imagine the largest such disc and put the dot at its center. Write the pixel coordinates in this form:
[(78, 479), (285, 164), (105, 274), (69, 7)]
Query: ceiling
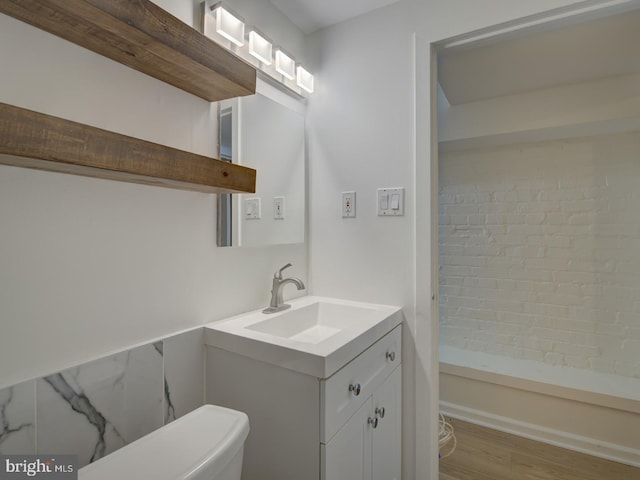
[(594, 50), (312, 15)]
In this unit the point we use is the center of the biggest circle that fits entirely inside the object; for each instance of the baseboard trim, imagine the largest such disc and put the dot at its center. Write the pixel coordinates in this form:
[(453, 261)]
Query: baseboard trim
[(558, 438)]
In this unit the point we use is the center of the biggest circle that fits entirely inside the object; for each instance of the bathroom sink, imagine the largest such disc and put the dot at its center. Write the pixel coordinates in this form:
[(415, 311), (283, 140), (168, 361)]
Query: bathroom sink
[(316, 336), (314, 323)]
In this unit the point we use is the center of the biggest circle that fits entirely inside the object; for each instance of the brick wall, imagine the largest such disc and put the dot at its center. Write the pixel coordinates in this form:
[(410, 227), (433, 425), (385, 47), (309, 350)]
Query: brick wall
[(540, 252)]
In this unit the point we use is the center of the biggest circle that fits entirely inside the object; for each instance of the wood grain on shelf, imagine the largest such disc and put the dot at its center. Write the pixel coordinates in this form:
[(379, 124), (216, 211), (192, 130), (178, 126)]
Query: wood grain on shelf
[(143, 36), (35, 140)]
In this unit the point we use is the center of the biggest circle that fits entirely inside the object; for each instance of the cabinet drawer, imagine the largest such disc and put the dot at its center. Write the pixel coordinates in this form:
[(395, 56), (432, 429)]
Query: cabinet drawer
[(350, 387)]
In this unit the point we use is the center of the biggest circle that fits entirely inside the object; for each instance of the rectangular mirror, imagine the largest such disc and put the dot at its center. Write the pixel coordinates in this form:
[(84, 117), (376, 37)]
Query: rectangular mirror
[(265, 131)]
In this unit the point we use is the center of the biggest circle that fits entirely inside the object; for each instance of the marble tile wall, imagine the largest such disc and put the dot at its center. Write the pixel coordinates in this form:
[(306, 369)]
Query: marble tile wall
[(95, 408)]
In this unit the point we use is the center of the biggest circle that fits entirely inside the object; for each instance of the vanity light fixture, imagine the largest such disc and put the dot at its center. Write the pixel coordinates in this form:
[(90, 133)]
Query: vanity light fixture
[(304, 79), (228, 25), (224, 26), (260, 48), (285, 65)]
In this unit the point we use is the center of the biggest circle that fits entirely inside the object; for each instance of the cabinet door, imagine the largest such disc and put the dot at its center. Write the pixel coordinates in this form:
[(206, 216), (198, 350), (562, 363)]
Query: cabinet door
[(386, 437), (348, 455)]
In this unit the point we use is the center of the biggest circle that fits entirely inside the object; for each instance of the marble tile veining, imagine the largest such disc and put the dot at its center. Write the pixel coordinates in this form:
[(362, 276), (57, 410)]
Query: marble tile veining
[(17, 419), (183, 373), (100, 406)]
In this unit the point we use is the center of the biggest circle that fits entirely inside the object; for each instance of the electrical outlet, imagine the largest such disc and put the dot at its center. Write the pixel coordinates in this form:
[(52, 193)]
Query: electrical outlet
[(278, 208), (348, 204)]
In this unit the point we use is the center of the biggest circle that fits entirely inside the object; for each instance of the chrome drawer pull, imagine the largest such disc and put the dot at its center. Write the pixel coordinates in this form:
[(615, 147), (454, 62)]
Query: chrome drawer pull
[(355, 389), (391, 356), (380, 412), (373, 422)]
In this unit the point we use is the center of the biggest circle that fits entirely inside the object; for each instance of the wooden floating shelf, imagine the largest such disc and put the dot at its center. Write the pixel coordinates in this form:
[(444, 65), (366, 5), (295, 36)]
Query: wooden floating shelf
[(35, 140), (143, 36)]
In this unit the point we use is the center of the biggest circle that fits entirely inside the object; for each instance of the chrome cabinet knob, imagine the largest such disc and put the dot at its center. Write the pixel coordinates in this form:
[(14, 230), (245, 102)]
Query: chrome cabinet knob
[(379, 412), (373, 422), (391, 356), (355, 389)]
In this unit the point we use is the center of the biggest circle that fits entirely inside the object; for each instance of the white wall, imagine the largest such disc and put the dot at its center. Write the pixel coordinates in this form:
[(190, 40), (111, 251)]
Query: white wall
[(539, 252), (90, 266), (363, 121)]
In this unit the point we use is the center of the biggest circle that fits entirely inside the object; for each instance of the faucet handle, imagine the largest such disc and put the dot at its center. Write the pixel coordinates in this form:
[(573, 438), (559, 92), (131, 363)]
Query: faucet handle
[(278, 275)]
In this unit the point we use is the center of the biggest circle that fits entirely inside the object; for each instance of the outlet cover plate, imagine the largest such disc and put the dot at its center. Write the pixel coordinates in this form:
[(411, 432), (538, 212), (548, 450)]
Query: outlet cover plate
[(390, 202), (348, 205)]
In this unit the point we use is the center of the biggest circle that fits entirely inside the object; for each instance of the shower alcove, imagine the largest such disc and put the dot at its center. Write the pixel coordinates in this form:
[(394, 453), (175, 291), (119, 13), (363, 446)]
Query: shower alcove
[(539, 233)]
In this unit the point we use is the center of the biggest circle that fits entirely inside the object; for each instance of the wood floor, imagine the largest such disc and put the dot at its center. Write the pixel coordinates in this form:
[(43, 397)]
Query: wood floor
[(485, 454)]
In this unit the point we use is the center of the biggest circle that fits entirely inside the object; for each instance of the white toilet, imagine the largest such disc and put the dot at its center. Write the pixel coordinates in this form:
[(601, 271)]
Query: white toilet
[(206, 444)]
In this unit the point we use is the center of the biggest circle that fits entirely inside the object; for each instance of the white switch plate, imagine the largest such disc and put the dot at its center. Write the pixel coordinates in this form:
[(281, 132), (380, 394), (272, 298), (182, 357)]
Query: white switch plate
[(252, 209), (348, 207), (390, 202), (278, 208)]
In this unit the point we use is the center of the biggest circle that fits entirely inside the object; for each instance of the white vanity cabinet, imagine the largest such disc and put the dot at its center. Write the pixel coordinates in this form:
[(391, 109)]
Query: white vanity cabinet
[(344, 427), (367, 447)]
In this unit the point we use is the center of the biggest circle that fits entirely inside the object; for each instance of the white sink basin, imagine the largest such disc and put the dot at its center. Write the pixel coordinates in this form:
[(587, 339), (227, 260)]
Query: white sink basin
[(316, 336), (314, 323)]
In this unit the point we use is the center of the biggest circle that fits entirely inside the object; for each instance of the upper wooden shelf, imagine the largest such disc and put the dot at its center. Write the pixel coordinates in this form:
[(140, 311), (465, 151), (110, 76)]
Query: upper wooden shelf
[(35, 140), (143, 36)]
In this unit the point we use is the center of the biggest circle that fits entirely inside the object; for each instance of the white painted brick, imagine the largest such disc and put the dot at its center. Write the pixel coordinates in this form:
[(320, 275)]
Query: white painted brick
[(611, 329), (505, 196), (581, 219), (576, 361), (569, 289), (536, 309), (458, 209), (510, 239), (458, 219), (595, 266), (535, 218), (524, 229), (586, 205), (602, 365), (476, 219), (548, 263), (530, 354), (554, 358), (524, 252), (560, 218), (556, 310), (584, 351), (543, 244), (573, 325), (574, 277), (629, 319), (627, 369)]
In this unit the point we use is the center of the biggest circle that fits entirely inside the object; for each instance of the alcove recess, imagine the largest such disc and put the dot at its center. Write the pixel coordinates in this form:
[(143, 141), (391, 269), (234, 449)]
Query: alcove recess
[(141, 35)]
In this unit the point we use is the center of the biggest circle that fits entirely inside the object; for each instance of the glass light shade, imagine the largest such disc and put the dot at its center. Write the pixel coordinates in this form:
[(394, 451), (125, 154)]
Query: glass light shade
[(260, 48), (285, 65), (229, 26), (304, 79)]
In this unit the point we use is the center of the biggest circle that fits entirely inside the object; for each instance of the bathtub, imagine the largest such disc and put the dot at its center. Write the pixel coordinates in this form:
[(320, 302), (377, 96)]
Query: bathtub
[(581, 410)]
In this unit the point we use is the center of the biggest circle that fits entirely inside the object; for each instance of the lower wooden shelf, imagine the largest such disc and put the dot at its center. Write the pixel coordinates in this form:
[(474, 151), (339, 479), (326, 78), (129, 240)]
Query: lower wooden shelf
[(35, 140)]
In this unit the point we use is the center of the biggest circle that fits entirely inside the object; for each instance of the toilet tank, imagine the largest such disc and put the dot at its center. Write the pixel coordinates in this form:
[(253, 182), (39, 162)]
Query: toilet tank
[(205, 444)]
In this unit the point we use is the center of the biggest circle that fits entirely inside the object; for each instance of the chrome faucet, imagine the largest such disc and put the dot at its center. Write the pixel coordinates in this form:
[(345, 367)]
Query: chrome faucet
[(277, 303)]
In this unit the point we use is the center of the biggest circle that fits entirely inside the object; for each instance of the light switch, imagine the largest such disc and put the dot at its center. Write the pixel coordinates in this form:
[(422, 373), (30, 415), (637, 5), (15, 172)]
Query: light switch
[(384, 201), (252, 209), (390, 202)]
